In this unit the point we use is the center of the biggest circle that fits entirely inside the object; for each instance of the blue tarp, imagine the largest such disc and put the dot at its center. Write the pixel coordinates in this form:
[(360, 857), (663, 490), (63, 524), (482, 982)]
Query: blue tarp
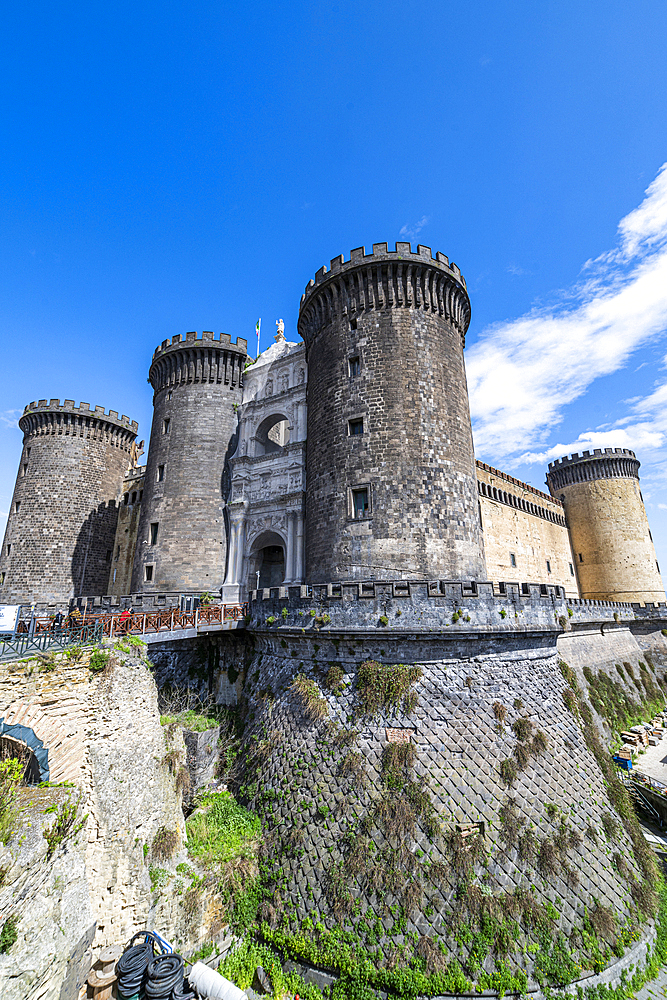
[(29, 737)]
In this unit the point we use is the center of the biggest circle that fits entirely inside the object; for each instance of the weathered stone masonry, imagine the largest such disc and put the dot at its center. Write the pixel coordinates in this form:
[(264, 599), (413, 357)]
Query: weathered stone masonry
[(62, 520)]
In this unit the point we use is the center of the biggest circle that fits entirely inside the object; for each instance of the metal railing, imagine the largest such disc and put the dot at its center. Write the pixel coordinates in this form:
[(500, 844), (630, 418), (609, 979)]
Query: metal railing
[(28, 643), (146, 622)]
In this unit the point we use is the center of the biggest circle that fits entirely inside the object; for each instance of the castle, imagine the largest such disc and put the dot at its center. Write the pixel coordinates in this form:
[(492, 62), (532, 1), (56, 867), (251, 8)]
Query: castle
[(348, 456), (423, 736)]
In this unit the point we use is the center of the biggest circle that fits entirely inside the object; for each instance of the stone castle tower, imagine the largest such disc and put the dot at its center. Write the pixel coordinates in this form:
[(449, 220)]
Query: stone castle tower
[(391, 489), (611, 541), (182, 538), (62, 520)]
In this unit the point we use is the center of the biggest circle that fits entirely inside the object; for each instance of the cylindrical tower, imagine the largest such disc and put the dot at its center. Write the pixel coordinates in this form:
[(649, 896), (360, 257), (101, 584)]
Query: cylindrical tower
[(391, 488), (182, 541), (609, 532), (62, 520)]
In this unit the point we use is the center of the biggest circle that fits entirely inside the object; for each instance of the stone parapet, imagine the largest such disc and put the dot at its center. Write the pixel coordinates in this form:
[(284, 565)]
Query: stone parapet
[(69, 410), (405, 606), (610, 463)]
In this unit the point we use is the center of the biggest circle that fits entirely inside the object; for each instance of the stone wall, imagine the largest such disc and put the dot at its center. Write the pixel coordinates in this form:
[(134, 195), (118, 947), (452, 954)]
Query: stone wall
[(384, 337), (62, 519), (525, 535), (609, 531), (97, 883), (325, 783), (125, 542), (197, 384)]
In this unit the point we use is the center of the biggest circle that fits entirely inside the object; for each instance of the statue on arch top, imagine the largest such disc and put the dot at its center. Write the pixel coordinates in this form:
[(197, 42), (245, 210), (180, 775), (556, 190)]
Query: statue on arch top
[(280, 335)]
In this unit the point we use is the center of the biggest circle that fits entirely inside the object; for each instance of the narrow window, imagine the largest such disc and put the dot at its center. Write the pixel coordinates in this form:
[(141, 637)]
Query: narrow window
[(353, 324), (360, 503), (2, 579), (141, 493), (154, 526), (17, 506), (170, 394), (134, 497), (512, 559), (117, 553), (24, 469), (571, 570), (126, 499), (165, 425), (657, 566), (148, 573), (650, 535), (581, 558), (27, 453), (160, 473), (548, 566), (355, 367), (9, 547), (109, 554), (355, 427)]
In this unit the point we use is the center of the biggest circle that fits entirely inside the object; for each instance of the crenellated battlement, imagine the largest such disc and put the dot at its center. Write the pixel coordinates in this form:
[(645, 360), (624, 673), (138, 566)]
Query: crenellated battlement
[(610, 463), (382, 253), (586, 456), (385, 279), (206, 339), (82, 410)]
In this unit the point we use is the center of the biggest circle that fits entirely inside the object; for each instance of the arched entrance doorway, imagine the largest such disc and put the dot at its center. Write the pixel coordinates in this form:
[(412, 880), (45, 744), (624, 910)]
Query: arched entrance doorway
[(267, 556)]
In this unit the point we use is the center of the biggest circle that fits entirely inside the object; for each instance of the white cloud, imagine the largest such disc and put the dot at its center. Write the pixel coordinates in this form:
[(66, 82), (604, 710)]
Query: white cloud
[(10, 418), (522, 373), (411, 231)]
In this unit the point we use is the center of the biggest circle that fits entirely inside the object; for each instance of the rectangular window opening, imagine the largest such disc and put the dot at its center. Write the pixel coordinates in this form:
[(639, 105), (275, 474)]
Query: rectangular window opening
[(27, 453), (117, 552), (571, 570), (154, 527), (17, 506), (512, 559), (355, 426), (165, 425), (548, 566), (9, 547), (148, 573), (160, 473), (24, 469), (581, 558), (109, 554), (353, 324), (360, 503), (355, 366)]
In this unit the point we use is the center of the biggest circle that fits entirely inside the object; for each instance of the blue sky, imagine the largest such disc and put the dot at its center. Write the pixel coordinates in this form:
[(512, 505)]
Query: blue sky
[(171, 167)]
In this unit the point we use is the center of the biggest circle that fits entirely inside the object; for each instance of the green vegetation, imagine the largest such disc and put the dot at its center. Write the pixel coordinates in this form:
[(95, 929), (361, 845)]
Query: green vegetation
[(11, 774), (314, 706), (165, 843), (65, 823), (381, 687), (99, 659), (189, 718), (9, 933), (224, 838), (616, 706)]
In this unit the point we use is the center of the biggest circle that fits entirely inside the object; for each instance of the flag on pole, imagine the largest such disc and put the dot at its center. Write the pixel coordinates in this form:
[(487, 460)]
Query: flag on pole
[(257, 328)]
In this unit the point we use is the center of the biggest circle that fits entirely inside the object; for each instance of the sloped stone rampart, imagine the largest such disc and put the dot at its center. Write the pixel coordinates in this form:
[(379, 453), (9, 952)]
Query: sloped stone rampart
[(96, 885), (317, 812)]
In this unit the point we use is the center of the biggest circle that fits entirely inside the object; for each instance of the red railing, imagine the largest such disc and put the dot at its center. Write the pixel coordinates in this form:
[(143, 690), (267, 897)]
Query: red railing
[(148, 622)]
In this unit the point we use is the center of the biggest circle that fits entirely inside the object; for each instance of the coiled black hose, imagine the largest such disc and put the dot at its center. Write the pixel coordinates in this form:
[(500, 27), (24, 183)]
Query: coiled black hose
[(183, 991), (164, 973), (132, 966)]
